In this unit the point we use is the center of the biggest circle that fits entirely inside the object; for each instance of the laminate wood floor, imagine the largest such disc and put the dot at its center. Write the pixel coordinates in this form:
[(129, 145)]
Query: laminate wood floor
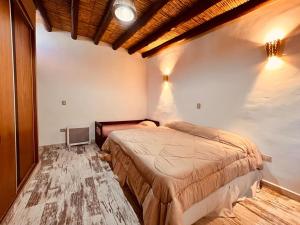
[(72, 186), (268, 207)]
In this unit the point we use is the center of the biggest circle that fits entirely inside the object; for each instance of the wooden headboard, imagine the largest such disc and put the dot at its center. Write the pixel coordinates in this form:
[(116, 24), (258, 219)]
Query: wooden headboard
[(99, 138)]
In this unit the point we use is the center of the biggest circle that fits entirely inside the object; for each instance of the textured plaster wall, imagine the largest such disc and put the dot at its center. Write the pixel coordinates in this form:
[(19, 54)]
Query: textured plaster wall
[(227, 71)]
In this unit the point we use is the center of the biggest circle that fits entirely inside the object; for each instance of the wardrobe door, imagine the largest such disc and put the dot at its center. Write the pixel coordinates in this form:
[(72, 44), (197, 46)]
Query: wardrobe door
[(25, 96), (7, 122)]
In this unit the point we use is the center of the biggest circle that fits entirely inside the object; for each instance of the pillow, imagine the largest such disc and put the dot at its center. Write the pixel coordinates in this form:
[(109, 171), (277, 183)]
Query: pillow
[(148, 123), (196, 130)]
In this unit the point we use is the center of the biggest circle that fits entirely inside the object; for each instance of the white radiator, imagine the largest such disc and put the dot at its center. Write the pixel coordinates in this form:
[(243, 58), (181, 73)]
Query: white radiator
[(78, 135)]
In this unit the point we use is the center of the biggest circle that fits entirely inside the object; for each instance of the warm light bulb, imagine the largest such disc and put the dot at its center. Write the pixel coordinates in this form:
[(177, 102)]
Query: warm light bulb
[(275, 35), (274, 63), (124, 13)]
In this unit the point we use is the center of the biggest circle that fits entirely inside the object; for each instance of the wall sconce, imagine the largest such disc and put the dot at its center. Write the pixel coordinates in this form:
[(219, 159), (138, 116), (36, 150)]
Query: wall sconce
[(165, 78), (273, 48)]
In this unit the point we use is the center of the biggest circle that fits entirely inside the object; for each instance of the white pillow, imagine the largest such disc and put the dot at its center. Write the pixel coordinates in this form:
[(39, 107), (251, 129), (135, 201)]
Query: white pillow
[(148, 123)]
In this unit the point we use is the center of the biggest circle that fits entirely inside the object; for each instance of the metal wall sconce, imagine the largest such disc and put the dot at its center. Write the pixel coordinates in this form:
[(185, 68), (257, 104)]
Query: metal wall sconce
[(273, 48), (165, 78)]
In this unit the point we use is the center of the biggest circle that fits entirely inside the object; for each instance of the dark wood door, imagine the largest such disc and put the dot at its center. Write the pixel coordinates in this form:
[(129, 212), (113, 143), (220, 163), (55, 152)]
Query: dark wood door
[(25, 99), (7, 122)]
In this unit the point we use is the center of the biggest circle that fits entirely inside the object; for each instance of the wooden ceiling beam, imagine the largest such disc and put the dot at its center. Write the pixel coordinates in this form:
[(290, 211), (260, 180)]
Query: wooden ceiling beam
[(104, 22), (195, 9), (74, 18), (210, 24), (139, 23), (40, 7)]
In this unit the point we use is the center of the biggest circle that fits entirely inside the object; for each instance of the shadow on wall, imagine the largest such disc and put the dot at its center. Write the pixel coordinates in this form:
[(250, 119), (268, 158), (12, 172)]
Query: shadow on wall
[(293, 48)]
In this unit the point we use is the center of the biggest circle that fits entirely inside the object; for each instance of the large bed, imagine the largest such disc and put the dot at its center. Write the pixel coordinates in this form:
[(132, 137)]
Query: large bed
[(181, 172)]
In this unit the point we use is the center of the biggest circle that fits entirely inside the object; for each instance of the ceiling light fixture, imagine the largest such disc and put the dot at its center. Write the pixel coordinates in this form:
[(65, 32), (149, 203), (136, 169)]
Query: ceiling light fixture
[(124, 10)]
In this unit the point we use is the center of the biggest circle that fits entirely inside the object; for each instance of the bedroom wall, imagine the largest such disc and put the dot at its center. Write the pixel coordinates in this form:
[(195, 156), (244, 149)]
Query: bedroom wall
[(97, 83), (227, 71)]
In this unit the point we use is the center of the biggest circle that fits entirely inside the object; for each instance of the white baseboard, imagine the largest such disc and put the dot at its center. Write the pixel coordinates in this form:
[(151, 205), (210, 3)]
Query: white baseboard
[(284, 191)]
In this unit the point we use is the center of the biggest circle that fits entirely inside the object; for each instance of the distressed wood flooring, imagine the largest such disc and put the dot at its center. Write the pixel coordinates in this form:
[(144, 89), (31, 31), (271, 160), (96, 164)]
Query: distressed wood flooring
[(268, 207), (72, 186)]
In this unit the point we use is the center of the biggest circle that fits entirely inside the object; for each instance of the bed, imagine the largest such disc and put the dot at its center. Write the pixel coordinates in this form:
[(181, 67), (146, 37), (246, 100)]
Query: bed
[(181, 172), (103, 129)]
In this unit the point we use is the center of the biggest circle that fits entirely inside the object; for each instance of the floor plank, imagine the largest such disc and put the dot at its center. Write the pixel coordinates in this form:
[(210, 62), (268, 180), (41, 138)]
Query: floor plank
[(72, 186)]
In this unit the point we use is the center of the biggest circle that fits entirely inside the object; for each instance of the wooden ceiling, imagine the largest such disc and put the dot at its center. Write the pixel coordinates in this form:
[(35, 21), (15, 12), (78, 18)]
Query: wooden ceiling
[(159, 23)]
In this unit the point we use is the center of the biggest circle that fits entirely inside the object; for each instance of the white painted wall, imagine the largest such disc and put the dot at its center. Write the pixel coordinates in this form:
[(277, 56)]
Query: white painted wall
[(226, 72), (97, 83)]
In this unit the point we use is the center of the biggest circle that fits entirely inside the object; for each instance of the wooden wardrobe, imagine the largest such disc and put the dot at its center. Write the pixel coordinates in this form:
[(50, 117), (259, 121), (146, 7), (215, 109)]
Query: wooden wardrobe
[(18, 122)]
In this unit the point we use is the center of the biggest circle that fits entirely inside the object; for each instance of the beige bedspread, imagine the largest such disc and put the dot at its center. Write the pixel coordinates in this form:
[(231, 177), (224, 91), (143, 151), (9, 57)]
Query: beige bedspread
[(171, 168)]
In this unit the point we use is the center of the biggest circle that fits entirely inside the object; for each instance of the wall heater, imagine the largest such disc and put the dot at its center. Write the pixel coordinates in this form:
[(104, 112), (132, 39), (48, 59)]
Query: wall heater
[(78, 135)]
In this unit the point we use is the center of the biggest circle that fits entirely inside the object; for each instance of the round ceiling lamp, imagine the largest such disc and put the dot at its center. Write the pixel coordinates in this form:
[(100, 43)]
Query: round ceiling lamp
[(124, 10)]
